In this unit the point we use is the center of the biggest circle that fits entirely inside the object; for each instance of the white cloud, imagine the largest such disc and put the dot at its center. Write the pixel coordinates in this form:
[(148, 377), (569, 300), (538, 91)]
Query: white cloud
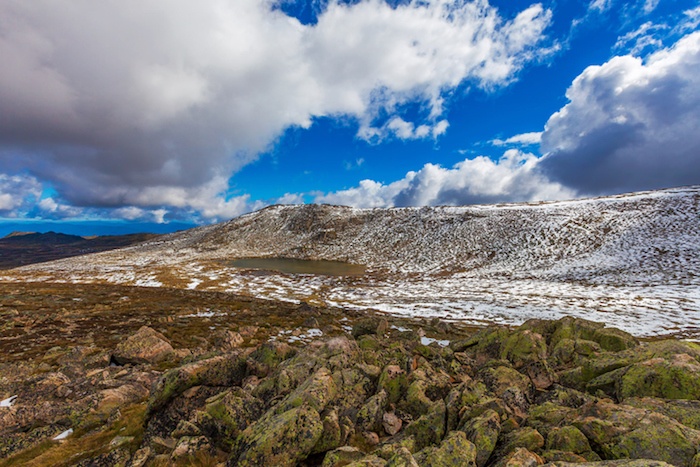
[(131, 104), (17, 193), (600, 5), (650, 5), (523, 139), (290, 198), (630, 124), (53, 209), (514, 177), (641, 38)]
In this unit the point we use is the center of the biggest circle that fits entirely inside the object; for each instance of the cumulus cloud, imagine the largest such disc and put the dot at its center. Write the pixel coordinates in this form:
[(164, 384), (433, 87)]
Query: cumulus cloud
[(523, 139), (121, 103), (514, 177), (630, 124), (17, 193)]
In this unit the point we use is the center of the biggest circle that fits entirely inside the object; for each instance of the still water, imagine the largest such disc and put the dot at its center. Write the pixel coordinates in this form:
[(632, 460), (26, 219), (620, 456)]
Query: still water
[(300, 266)]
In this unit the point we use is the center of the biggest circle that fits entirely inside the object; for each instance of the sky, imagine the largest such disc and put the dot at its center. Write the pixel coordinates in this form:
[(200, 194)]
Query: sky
[(123, 116)]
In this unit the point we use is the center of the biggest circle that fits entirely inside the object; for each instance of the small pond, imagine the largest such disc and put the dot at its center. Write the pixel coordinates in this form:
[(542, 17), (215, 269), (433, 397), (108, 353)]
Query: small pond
[(300, 266)]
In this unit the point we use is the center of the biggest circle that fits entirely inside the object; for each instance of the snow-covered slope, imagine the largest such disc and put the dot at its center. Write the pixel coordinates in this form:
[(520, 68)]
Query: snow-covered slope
[(633, 258)]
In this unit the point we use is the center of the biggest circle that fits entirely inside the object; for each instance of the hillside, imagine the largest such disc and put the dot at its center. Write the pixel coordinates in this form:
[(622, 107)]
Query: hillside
[(21, 248), (630, 260)]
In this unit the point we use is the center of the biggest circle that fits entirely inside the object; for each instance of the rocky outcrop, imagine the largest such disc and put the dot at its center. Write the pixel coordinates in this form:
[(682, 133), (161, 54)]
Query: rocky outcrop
[(146, 346), (568, 392)]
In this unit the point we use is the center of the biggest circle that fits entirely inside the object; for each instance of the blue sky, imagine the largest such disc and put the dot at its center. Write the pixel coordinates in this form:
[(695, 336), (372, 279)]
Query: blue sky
[(118, 117)]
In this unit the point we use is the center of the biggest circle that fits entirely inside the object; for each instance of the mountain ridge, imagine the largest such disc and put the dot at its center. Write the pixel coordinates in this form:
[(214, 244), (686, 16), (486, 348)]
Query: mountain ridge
[(630, 260)]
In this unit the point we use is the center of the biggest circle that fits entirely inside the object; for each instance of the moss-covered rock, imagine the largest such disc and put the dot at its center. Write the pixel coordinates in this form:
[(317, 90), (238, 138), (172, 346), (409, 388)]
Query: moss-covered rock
[(677, 378), (227, 414), (483, 432), (223, 370), (686, 412), (332, 435), (568, 438), (281, 439), (498, 379), (520, 457), (316, 392), (342, 456), (462, 398), (573, 351), (369, 417), (561, 456), (523, 347), (429, 428), (417, 402), (483, 346), (394, 382), (612, 463), (367, 326), (268, 356), (576, 328), (454, 450), (527, 437), (402, 458), (369, 461), (620, 431)]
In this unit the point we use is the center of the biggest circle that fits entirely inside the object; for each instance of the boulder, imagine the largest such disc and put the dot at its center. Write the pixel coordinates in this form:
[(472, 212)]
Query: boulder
[(613, 463), (611, 339), (369, 417), (368, 326), (520, 457), (523, 347), (429, 428), (342, 456), (402, 458), (268, 356), (686, 412), (393, 380), (501, 377), (278, 439), (527, 437), (621, 431), (332, 435), (391, 423), (455, 449), (146, 346), (568, 438), (675, 378), (227, 414), (316, 392), (222, 370), (483, 432)]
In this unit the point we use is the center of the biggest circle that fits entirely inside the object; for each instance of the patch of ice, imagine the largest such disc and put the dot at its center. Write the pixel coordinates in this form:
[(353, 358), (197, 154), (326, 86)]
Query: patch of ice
[(194, 283), (400, 328), (63, 435), (430, 340), (8, 402)]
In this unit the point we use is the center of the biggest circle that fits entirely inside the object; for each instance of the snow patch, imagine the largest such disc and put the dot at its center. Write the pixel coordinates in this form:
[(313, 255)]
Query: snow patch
[(63, 435), (8, 402)]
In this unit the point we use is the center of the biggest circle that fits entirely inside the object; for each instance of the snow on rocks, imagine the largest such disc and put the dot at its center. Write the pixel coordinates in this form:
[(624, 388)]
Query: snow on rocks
[(632, 260)]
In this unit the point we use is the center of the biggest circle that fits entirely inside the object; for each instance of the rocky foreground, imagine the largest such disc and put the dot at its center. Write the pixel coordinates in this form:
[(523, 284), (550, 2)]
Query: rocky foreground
[(556, 393)]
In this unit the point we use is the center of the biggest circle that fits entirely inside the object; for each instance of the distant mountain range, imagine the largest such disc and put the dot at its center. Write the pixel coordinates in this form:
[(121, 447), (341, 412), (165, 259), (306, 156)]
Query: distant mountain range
[(631, 260), (22, 248)]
